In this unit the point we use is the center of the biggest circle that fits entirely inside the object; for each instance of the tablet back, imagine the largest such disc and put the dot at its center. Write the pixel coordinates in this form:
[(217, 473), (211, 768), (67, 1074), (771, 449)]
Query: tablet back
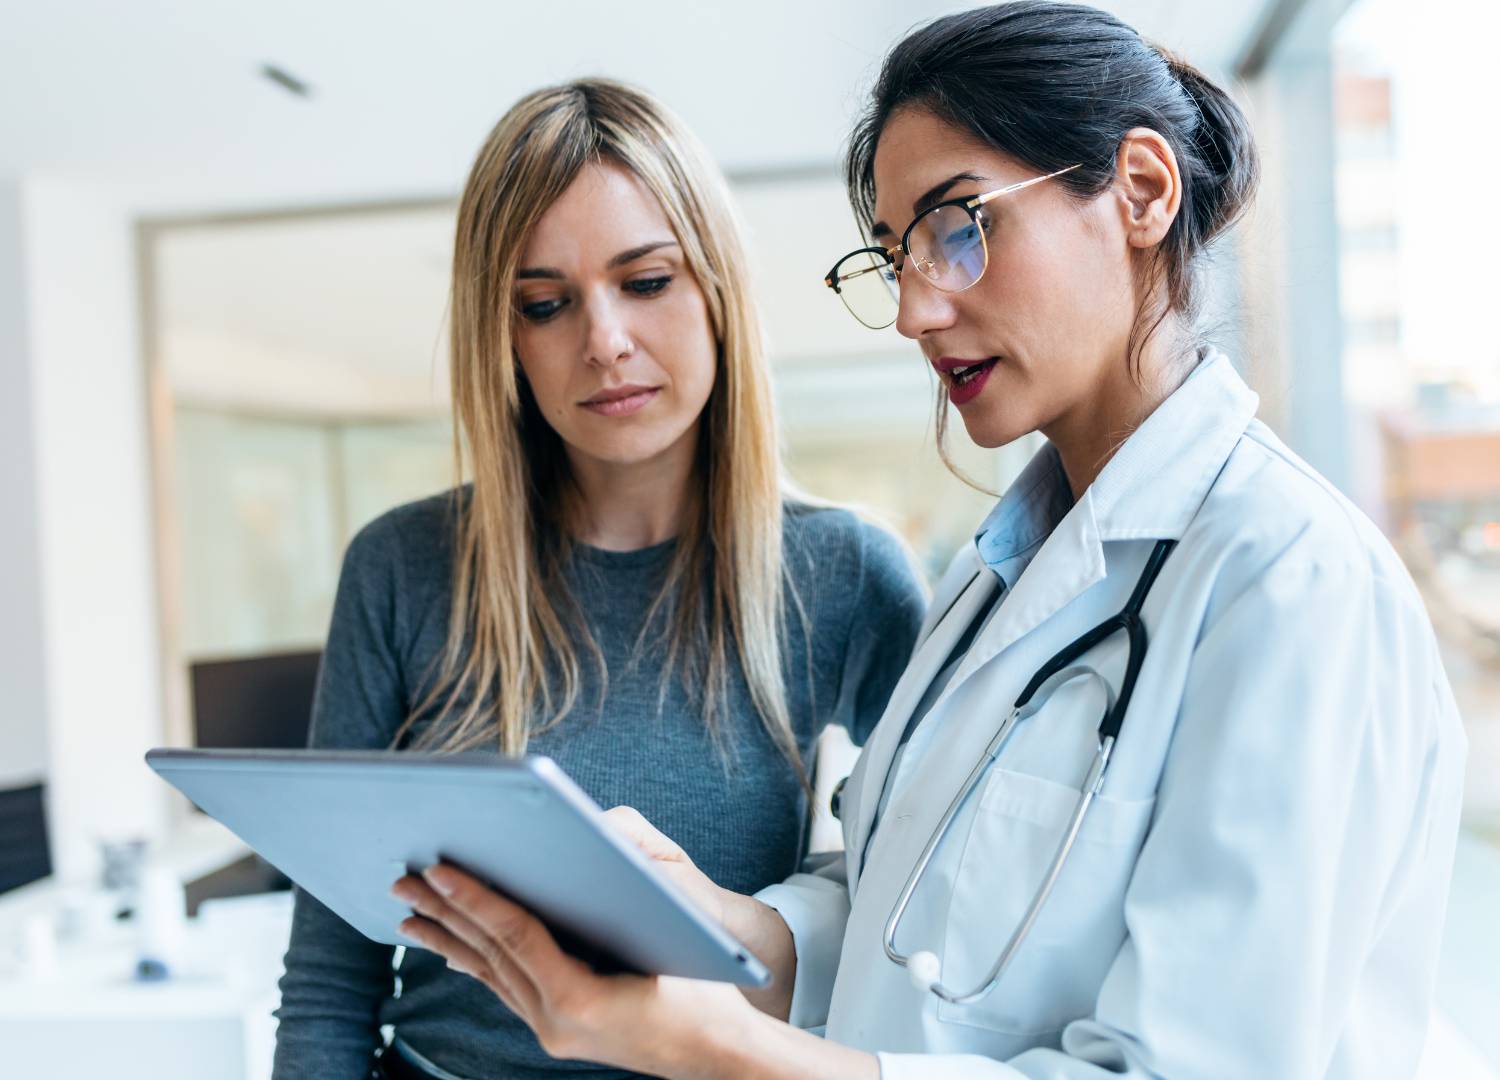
[(344, 825)]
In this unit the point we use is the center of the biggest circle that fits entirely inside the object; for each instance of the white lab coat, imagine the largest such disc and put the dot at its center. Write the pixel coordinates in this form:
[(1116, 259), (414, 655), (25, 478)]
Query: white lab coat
[(1259, 891)]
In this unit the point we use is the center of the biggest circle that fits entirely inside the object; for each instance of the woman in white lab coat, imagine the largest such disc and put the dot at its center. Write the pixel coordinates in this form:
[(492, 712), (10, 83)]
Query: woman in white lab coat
[(1258, 888)]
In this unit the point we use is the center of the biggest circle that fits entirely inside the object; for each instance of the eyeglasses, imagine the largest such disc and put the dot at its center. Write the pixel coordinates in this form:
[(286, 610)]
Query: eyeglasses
[(946, 243)]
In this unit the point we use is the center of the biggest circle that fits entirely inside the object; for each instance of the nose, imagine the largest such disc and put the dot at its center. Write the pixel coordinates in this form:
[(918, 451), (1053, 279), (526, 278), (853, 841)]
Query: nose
[(921, 306), (608, 335)]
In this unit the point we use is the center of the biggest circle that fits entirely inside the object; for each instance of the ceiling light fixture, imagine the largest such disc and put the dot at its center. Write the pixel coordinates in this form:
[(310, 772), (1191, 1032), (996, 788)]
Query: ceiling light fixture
[(286, 80)]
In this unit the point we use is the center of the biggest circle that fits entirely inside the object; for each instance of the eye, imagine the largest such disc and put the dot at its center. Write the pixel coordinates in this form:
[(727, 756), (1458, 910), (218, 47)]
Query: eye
[(648, 286), (541, 310)]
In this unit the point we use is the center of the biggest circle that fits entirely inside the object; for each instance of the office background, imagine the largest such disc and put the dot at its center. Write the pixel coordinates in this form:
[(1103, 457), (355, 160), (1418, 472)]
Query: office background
[(224, 241)]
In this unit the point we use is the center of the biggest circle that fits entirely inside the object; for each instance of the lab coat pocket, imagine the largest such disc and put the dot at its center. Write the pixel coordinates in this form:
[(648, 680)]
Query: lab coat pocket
[(1055, 976)]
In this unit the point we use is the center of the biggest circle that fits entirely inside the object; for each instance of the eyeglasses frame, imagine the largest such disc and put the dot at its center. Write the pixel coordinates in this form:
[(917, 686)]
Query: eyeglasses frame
[(969, 203)]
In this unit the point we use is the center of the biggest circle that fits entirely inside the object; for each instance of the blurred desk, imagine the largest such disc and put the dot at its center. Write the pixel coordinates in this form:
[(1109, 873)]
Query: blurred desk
[(89, 1018)]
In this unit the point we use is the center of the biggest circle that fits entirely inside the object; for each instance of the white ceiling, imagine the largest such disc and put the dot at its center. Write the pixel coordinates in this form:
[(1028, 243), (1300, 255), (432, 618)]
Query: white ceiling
[(161, 104), (163, 98)]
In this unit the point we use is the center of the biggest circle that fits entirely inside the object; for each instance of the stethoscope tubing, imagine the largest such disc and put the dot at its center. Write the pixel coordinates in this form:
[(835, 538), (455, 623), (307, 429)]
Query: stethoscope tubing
[(1057, 670), (1091, 785)]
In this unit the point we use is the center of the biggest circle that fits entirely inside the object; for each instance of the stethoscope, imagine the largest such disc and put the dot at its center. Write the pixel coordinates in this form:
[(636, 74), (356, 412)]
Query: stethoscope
[(923, 967)]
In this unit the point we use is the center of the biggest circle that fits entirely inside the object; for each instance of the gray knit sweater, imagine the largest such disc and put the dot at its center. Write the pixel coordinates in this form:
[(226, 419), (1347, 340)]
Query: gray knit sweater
[(740, 815)]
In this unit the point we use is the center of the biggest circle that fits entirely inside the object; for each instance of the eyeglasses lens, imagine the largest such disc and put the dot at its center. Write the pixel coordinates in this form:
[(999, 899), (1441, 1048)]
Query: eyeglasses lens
[(866, 284), (947, 248)]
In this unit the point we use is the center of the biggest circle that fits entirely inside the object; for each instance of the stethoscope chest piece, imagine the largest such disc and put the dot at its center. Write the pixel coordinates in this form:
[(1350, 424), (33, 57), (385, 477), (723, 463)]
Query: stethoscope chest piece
[(924, 969)]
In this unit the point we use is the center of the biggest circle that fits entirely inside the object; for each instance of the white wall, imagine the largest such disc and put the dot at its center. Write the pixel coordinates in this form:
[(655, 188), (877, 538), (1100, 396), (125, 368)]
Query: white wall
[(23, 696), (98, 621)]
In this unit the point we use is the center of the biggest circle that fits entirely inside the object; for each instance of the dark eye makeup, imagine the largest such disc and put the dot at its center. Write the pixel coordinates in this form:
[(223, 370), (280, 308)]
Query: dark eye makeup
[(540, 311), (648, 286)]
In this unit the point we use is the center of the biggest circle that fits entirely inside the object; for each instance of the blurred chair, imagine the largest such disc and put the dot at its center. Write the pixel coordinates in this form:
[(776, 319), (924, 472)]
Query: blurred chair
[(254, 702), (24, 856)]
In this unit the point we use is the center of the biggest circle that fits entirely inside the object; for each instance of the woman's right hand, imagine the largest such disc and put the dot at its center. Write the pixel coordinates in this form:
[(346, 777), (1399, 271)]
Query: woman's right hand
[(757, 926)]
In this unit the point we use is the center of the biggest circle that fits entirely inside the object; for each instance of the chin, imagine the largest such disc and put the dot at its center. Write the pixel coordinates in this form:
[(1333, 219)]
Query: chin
[(992, 432), (636, 450)]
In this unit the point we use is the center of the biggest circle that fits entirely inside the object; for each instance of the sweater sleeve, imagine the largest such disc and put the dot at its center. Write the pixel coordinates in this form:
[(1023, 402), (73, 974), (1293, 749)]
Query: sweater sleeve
[(888, 607), (336, 978)]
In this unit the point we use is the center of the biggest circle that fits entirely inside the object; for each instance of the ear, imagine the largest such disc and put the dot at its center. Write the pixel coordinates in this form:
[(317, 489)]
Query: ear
[(1149, 185)]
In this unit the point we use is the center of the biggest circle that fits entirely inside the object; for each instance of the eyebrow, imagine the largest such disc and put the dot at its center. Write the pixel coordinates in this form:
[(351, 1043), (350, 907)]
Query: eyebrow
[(929, 197), (629, 255)]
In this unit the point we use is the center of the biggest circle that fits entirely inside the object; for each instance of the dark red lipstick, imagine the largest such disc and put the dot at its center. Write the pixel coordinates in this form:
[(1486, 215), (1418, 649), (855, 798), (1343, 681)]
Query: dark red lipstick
[(965, 377)]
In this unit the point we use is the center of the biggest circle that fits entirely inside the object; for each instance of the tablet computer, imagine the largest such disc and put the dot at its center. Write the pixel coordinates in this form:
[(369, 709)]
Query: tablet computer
[(344, 825)]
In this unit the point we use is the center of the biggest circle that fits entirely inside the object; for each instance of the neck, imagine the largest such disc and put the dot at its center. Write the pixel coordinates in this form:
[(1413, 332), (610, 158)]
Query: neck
[(1088, 435), (626, 507)]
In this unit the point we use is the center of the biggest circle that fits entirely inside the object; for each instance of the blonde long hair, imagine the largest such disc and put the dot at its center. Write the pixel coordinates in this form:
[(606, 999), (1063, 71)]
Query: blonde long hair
[(723, 596)]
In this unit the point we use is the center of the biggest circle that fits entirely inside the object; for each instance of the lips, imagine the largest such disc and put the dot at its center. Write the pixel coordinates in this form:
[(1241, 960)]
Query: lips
[(621, 400), (965, 376), (617, 393)]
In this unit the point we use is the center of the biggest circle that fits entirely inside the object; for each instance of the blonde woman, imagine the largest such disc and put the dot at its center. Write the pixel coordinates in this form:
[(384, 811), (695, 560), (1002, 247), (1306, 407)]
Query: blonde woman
[(624, 586)]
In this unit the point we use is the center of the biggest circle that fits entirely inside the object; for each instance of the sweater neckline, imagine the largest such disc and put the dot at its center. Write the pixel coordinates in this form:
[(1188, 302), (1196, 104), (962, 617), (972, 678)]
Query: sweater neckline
[(640, 558)]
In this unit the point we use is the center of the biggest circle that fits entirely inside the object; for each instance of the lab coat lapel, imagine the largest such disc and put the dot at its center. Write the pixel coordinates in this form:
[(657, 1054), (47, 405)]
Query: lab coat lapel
[(966, 587), (1069, 563), (1149, 490)]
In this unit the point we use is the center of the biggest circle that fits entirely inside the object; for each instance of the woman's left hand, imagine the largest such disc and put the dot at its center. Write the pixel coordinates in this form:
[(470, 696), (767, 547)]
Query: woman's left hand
[(651, 1024)]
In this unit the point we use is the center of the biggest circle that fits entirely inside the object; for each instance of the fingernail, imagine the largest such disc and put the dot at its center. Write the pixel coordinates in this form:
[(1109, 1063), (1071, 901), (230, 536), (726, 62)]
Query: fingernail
[(437, 877)]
